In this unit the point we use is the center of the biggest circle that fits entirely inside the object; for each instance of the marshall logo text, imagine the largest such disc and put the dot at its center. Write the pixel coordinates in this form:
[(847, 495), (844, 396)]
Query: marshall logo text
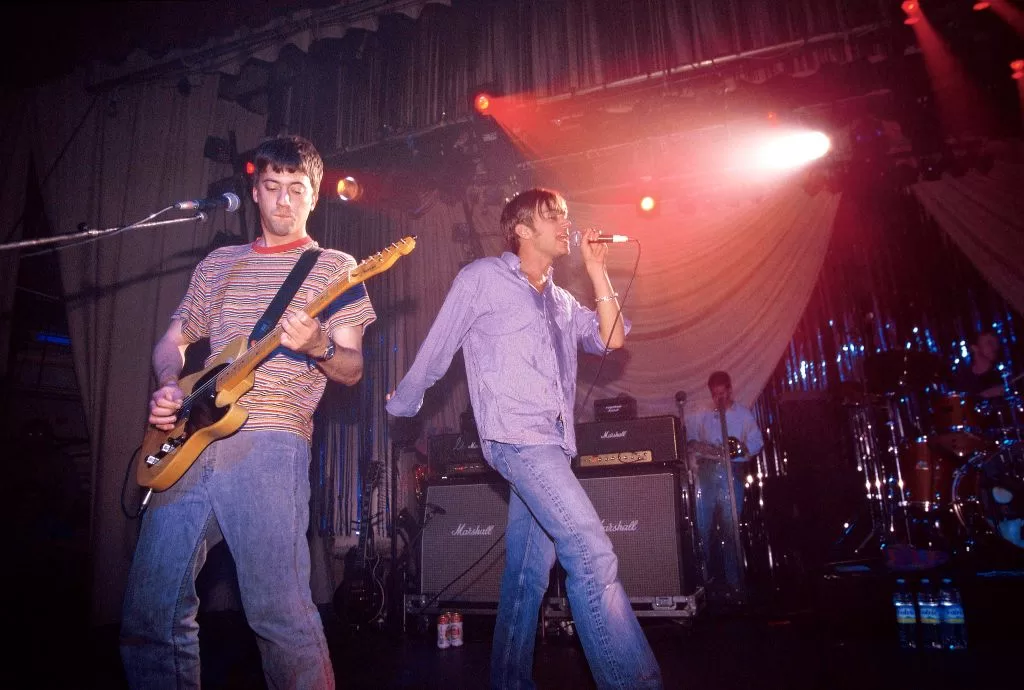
[(620, 526), (464, 530), (605, 435)]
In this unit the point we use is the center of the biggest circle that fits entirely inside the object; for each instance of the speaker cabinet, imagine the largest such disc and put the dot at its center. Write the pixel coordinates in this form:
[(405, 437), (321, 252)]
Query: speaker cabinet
[(463, 547), (463, 544), (640, 512)]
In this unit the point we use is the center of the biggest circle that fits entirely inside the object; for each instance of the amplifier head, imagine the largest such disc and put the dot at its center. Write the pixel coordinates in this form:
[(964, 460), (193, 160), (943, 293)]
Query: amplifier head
[(657, 434)]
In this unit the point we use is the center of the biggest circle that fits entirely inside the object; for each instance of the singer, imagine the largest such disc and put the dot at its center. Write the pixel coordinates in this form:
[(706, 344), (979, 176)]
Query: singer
[(250, 489), (519, 334)]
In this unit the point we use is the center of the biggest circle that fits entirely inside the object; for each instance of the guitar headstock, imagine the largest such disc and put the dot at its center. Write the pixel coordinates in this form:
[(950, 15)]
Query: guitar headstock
[(382, 260)]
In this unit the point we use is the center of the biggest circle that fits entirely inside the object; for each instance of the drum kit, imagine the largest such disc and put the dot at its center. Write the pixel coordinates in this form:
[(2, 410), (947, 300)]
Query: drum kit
[(942, 469)]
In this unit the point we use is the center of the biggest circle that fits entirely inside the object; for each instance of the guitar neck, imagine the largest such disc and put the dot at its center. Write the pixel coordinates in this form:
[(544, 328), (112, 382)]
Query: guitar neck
[(236, 372), (244, 365)]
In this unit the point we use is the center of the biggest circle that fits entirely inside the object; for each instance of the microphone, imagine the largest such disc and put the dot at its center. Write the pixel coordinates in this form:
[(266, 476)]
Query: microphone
[(227, 200), (680, 397), (577, 238)]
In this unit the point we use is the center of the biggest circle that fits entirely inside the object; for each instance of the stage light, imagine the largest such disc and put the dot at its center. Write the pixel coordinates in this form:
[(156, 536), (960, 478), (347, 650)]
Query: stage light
[(349, 189), (979, 6), (250, 168), (1018, 69), (482, 103), (648, 206), (913, 11), (792, 151)]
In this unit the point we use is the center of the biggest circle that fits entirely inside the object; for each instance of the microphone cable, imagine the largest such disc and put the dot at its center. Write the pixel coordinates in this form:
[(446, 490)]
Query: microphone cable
[(618, 315)]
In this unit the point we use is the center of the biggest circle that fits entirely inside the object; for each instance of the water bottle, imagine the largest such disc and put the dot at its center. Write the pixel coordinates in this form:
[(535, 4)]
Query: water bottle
[(952, 624), (929, 616), (906, 615)]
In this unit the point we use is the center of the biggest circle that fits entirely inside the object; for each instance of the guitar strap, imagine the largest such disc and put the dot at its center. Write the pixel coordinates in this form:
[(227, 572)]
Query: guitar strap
[(285, 294)]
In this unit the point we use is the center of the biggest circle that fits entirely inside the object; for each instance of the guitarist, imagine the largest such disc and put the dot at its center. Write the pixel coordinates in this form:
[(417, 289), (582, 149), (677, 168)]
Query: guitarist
[(250, 488), (704, 432)]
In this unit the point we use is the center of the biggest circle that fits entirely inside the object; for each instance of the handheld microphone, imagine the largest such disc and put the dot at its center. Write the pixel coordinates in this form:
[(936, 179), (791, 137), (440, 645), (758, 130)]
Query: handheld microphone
[(227, 200), (576, 237)]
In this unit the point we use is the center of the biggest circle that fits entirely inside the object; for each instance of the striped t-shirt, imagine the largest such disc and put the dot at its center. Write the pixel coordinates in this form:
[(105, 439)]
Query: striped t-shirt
[(229, 291)]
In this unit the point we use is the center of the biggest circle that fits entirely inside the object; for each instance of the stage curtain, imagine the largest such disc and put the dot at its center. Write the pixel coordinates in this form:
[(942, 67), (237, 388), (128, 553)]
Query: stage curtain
[(984, 216), (721, 288), (116, 159)]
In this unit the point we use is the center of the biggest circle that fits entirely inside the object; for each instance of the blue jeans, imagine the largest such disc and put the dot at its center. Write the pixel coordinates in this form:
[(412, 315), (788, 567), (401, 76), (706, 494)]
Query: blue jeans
[(252, 490), (713, 502), (549, 514)]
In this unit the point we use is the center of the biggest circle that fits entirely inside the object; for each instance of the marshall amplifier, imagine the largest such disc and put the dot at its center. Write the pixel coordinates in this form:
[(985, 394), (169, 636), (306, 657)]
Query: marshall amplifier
[(659, 435), (640, 514), (463, 544)]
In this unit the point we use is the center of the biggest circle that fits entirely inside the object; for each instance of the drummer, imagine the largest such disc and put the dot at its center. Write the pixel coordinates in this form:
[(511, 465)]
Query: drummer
[(980, 376)]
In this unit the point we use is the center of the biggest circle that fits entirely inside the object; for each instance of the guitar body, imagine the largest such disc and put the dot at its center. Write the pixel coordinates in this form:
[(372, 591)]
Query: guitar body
[(166, 455)]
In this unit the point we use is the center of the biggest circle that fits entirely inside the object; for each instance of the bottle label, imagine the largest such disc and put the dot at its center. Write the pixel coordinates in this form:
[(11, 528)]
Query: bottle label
[(930, 614), (953, 614), (905, 614)]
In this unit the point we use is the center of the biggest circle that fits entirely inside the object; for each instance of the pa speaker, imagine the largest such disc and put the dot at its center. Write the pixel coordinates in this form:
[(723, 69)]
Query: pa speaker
[(463, 543)]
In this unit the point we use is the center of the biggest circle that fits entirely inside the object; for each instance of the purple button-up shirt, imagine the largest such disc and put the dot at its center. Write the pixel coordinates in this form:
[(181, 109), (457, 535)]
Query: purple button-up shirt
[(519, 347)]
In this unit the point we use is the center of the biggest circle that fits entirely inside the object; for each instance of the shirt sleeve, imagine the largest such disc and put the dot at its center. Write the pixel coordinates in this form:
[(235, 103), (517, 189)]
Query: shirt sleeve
[(193, 309), (752, 438), (444, 339), (589, 328)]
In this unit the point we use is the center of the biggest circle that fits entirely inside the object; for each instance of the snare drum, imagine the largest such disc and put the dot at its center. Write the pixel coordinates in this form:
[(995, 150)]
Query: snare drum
[(957, 425)]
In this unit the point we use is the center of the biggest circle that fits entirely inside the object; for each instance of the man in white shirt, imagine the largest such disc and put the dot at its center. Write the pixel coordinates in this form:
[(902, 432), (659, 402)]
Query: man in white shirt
[(704, 433)]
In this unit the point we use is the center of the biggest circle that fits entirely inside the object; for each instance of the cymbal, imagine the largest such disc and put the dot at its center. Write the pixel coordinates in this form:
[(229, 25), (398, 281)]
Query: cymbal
[(899, 371)]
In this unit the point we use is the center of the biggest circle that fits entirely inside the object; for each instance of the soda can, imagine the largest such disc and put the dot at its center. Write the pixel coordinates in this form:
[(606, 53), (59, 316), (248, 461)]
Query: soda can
[(442, 631), (455, 629)]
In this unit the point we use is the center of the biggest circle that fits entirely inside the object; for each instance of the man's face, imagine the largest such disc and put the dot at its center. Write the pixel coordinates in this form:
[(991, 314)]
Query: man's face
[(987, 347), (285, 200), (721, 395), (550, 232)]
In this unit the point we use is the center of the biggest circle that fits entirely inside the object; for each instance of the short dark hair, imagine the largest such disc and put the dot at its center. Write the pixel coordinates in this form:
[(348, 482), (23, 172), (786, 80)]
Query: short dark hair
[(719, 378), (520, 209), (290, 153)]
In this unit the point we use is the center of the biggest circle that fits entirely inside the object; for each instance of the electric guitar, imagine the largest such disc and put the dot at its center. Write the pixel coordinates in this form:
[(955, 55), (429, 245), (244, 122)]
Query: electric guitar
[(359, 598), (210, 409)]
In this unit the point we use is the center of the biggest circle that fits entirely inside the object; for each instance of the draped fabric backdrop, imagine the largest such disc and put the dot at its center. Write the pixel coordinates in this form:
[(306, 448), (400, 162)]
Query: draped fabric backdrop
[(719, 289)]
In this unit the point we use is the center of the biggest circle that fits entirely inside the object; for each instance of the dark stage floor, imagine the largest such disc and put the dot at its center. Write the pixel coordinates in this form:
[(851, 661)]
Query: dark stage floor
[(845, 640)]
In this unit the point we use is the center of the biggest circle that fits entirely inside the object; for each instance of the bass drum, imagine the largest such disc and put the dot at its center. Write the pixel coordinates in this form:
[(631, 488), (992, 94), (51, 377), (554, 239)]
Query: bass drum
[(988, 495)]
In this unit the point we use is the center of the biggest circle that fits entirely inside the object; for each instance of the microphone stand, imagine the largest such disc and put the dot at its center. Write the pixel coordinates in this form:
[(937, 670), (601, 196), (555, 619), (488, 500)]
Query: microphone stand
[(87, 233), (737, 542)]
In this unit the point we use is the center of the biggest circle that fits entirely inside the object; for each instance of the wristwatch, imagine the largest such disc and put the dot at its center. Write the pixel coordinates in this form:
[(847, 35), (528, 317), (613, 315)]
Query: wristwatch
[(328, 352)]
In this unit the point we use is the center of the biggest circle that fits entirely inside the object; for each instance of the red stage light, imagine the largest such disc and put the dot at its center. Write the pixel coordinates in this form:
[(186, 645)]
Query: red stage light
[(1018, 75), (250, 168), (913, 10), (349, 189), (648, 204), (1017, 65), (482, 103), (773, 118), (979, 6)]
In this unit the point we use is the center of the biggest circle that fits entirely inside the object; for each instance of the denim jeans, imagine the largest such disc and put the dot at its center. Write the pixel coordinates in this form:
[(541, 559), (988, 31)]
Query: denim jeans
[(713, 505), (252, 490), (550, 515)]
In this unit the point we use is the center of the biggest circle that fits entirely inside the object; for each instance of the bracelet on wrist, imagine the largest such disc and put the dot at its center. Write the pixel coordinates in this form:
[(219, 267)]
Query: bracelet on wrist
[(606, 298)]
